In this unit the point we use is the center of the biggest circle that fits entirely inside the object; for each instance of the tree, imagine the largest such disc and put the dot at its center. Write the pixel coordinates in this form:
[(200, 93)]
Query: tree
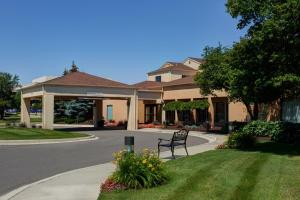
[(274, 34), (264, 65), (8, 83), (66, 72), (74, 68)]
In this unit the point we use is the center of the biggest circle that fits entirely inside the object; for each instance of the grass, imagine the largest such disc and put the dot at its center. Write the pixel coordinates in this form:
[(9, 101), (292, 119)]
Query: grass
[(268, 172), (17, 118), (30, 134)]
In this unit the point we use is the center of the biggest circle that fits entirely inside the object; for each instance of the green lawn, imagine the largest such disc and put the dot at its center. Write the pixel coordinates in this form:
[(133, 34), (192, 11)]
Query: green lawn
[(268, 172), (28, 134), (16, 118)]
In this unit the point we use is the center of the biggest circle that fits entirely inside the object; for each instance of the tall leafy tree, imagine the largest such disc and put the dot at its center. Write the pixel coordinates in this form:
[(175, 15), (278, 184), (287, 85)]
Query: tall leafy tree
[(8, 83), (273, 33), (264, 65)]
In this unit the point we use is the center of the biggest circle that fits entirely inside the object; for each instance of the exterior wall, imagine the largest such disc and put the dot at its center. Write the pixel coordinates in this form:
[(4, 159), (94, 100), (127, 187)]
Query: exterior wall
[(186, 92), (165, 77), (32, 91), (237, 112), (149, 95), (141, 115), (191, 63), (89, 91), (119, 108)]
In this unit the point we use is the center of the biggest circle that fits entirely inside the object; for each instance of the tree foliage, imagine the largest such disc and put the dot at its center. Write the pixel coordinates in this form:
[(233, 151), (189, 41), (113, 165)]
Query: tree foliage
[(264, 65), (8, 83), (74, 68)]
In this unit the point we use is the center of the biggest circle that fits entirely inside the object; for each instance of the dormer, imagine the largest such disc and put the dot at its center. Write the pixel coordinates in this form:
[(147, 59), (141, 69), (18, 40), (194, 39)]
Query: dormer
[(193, 62), (171, 71)]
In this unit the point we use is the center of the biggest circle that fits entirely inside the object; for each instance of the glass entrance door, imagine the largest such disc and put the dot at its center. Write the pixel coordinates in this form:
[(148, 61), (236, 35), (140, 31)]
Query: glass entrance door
[(150, 113)]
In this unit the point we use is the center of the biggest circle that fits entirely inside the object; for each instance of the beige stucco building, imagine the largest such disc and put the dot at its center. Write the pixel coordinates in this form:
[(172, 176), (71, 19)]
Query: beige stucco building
[(139, 103)]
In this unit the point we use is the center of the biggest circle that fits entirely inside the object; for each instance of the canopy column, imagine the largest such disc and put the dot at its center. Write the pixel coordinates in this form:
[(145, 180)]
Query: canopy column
[(48, 111), (133, 113), (97, 112), (25, 111)]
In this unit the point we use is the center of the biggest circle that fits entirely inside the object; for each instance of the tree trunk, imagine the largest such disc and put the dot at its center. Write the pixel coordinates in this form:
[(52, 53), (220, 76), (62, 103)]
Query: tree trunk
[(255, 111), (1, 113), (249, 110)]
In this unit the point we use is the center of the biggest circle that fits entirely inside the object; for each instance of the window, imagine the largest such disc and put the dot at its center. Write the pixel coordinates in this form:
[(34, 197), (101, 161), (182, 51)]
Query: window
[(220, 112), (158, 78), (109, 112)]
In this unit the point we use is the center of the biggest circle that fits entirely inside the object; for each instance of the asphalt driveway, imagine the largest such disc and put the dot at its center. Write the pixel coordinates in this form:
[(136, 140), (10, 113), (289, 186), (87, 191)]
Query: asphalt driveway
[(21, 165)]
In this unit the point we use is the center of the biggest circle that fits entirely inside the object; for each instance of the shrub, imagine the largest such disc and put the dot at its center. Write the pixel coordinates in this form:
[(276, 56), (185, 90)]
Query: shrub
[(240, 140), (101, 123), (262, 128), (289, 133), (237, 126), (135, 171)]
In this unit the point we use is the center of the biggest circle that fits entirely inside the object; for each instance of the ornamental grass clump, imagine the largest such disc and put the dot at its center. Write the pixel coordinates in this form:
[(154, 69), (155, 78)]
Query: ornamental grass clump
[(135, 171)]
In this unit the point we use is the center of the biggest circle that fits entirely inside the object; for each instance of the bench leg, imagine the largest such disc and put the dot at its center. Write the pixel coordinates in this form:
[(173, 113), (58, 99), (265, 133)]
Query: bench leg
[(186, 150), (158, 150), (172, 150)]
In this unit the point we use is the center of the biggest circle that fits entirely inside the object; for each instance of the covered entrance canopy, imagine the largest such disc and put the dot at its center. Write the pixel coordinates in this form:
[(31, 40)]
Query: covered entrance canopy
[(84, 86)]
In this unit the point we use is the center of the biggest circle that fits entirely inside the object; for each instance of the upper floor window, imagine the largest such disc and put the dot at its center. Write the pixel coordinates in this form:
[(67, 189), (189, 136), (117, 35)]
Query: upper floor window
[(158, 78)]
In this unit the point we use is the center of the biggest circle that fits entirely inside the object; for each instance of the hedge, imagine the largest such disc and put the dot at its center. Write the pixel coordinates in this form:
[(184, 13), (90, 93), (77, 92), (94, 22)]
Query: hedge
[(180, 105)]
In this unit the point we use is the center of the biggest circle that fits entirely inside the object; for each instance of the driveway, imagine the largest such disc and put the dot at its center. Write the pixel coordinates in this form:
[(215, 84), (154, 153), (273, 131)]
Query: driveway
[(21, 165)]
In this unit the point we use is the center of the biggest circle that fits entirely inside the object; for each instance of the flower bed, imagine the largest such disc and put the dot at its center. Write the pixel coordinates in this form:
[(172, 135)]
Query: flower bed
[(136, 171)]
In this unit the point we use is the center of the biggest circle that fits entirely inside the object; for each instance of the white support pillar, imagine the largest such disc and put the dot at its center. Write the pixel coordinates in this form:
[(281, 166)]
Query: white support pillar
[(133, 113), (48, 111), (25, 111), (176, 114), (163, 116)]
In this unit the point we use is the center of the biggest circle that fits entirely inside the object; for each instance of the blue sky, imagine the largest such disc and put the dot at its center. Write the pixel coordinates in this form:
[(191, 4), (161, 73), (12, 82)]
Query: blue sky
[(117, 39)]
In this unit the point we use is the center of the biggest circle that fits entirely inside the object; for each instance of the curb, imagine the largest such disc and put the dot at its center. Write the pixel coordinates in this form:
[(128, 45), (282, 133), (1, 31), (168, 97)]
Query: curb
[(46, 141)]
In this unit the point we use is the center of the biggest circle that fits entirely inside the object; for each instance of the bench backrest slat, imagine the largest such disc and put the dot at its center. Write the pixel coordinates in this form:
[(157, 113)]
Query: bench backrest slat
[(180, 135)]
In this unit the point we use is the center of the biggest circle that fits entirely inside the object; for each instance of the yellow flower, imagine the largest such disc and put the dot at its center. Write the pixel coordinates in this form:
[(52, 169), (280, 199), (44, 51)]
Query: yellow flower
[(150, 165), (144, 161)]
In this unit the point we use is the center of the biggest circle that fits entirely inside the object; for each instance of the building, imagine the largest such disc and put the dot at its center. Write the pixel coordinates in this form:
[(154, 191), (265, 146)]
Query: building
[(140, 103)]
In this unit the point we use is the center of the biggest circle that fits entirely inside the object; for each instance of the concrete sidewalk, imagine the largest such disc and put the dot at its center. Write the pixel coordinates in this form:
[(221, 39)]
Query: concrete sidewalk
[(84, 184)]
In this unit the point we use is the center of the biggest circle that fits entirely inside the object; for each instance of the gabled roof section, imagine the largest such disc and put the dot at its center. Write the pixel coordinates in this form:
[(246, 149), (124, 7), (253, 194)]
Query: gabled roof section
[(173, 67), (148, 85), (189, 80), (85, 79), (199, 60)]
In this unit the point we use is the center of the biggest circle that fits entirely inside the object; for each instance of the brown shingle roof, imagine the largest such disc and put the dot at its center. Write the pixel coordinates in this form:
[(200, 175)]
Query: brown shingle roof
[(84, 79), (182, 81), (175, 67), (148, 85)]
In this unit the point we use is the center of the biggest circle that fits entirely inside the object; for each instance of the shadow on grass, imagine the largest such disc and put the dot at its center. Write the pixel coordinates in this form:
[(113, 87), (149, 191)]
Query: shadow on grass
[(277, 148)]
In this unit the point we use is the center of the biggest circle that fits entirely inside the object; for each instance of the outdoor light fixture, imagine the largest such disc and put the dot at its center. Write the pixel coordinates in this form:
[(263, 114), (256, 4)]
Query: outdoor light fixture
[(129, 143)]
